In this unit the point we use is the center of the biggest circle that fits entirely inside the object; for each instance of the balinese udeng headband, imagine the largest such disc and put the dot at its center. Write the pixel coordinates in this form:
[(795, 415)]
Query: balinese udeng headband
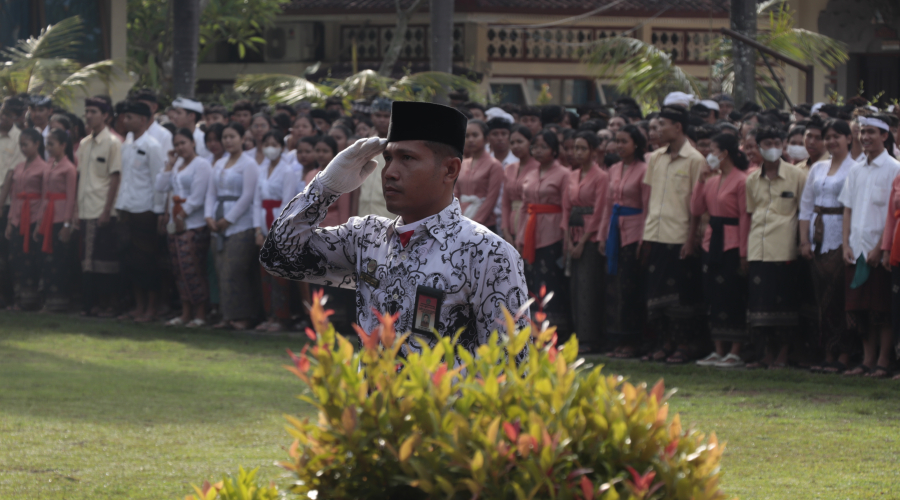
[(865, 121), (676, 114), (100, 104)]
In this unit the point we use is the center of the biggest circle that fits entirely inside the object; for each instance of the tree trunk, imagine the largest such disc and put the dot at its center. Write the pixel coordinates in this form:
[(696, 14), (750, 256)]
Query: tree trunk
[(186, 44), (442, 40), (743, 20), (396, 46)]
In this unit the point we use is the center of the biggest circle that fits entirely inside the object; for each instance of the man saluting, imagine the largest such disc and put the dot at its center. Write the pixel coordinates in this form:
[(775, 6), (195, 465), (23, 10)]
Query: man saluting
[(431, 265)]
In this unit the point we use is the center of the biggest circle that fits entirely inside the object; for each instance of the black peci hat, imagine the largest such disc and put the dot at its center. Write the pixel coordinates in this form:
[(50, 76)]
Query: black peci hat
[(425, 121)]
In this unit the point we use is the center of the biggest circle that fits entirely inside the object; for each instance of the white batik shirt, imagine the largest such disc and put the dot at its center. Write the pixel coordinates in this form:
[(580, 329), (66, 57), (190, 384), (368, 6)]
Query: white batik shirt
[(477, 270), (866, 191)]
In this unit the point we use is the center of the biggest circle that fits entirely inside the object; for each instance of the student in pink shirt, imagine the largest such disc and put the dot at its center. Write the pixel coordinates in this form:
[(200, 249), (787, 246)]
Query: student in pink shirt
[(480, 178), (511, 218), (587, 186), (620, 233), (541, 240), (721, 193)]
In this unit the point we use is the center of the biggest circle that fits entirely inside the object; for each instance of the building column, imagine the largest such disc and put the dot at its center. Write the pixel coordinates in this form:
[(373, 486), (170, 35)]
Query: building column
[(118, 33)]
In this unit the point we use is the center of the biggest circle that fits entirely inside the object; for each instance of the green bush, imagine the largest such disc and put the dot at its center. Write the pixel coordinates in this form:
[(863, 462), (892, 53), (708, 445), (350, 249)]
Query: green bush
[(244, 487), (485, 427)]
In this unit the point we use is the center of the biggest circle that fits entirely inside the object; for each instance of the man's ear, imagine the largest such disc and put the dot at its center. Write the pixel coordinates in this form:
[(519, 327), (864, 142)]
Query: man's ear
[(451, 167)]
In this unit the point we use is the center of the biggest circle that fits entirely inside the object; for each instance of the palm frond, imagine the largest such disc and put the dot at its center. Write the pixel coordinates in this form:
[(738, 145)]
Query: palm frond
[(277, 88), (809, 47), (768, 4), (366, 83), (103, 71), (59, 41), (426, 85), (643, 71), (46, 74)]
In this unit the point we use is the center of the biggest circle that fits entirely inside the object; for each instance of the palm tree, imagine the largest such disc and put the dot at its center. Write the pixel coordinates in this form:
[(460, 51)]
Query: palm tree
[(45, 65), (289, 89), (648, 74)]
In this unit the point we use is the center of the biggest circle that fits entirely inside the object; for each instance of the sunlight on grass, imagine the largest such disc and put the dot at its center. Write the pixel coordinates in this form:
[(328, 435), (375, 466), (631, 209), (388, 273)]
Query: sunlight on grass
[(95, 409)]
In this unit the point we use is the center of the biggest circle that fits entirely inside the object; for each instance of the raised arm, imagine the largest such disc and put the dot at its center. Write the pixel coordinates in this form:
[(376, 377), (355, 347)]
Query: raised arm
[(297, 248)]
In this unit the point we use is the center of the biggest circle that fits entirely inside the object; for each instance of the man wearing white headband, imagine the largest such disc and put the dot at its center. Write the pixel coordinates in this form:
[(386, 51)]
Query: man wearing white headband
[(865, 198), (679, 99), (187, 113)]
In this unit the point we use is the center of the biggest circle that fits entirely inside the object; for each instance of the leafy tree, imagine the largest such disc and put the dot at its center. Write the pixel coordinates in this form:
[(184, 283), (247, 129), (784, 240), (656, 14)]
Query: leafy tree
[(648, 73), (150, 39), (46, 65)]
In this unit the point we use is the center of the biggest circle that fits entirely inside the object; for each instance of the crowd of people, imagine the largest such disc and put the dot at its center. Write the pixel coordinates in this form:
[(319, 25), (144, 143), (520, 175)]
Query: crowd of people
[(696, 233)]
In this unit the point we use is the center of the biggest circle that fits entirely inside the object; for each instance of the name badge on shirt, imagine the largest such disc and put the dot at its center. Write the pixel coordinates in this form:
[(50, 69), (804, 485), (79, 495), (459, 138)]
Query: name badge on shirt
[(101, 159), (787, 194), (141, 152), (369, 275), (428, 309)]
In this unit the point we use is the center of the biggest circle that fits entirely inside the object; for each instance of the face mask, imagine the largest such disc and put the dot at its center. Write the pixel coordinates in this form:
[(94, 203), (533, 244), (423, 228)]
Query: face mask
[(771, 154), (272, 153), (797, 152), (714, 162)]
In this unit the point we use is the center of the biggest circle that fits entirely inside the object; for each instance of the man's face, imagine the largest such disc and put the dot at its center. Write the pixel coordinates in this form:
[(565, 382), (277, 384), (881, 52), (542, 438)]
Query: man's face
[(815, 146), (771, 143), (872, 139), (531, 122), (499, 140), (668, 130), (704, 146), (132, 123), (382, 121), (411, 178), (6, 120), (322, 125), (40, 115), (181, 118), (477, 114), (616, 123), (243, 117), (93, 118), (212, 118), (725, 108)]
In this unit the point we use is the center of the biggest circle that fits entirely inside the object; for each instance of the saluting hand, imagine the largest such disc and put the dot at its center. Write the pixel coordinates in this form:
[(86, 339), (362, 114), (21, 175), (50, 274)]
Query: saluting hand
[(350, 167)]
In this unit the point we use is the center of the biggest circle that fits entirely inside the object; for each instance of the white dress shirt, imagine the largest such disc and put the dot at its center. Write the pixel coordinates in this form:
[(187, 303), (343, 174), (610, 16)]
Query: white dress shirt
[(823, 190), (478, 272), (142, 161), (162, 136), (281, 185), (238, 182), (200, 144), (189, 182), (866, 191)]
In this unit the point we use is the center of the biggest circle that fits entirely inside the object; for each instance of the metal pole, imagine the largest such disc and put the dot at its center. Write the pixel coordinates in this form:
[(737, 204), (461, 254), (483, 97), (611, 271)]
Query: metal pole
[(777, 81), (743, 20), (810, 83)]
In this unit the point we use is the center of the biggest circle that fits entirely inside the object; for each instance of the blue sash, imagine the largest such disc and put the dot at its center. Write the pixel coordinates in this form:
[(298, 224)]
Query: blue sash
[(612, 239)]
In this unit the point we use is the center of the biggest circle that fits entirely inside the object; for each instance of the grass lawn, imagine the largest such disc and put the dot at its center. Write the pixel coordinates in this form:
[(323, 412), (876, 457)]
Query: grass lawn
[(93, 409)]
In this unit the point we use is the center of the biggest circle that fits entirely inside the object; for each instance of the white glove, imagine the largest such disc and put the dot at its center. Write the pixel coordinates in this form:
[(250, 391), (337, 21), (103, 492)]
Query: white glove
[(350, 167)]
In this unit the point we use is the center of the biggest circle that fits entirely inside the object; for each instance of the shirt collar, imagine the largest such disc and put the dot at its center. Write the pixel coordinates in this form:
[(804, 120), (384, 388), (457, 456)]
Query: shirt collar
[(439, 225), (682, 151), (878, 161), (779, 173), (102, 136)]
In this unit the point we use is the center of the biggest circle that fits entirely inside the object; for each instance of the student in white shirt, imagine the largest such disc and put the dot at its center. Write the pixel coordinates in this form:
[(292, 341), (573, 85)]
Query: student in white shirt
[(276, 187), (139, 206), (865, 199), (229, 215), (185, 180)]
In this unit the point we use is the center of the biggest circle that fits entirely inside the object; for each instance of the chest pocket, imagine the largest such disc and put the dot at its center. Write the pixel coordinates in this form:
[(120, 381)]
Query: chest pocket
[(680, 182), (785, 202), (100, 161), (880, 193)]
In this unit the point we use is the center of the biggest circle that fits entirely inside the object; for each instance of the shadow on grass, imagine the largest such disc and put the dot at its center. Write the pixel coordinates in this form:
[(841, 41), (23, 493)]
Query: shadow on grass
[(48, 386), (29, 325)]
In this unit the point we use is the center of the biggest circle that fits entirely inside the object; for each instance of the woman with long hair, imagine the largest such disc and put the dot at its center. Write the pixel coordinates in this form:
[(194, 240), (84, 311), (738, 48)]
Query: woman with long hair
[(260, 125), (721, 193), (511, 215), (25, 186), (303, 126), (274, 190), (480, 178), (229, 215), (821, 242), (186, 178), (60, 197), (587, 186), (341, 135), (620, 233), (541, 241)]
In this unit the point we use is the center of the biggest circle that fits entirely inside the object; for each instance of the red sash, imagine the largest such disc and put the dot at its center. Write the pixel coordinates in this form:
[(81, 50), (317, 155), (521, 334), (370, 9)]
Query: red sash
[(528, 250), (895, 245), (47, 221), (25, 218), (269, 206)]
